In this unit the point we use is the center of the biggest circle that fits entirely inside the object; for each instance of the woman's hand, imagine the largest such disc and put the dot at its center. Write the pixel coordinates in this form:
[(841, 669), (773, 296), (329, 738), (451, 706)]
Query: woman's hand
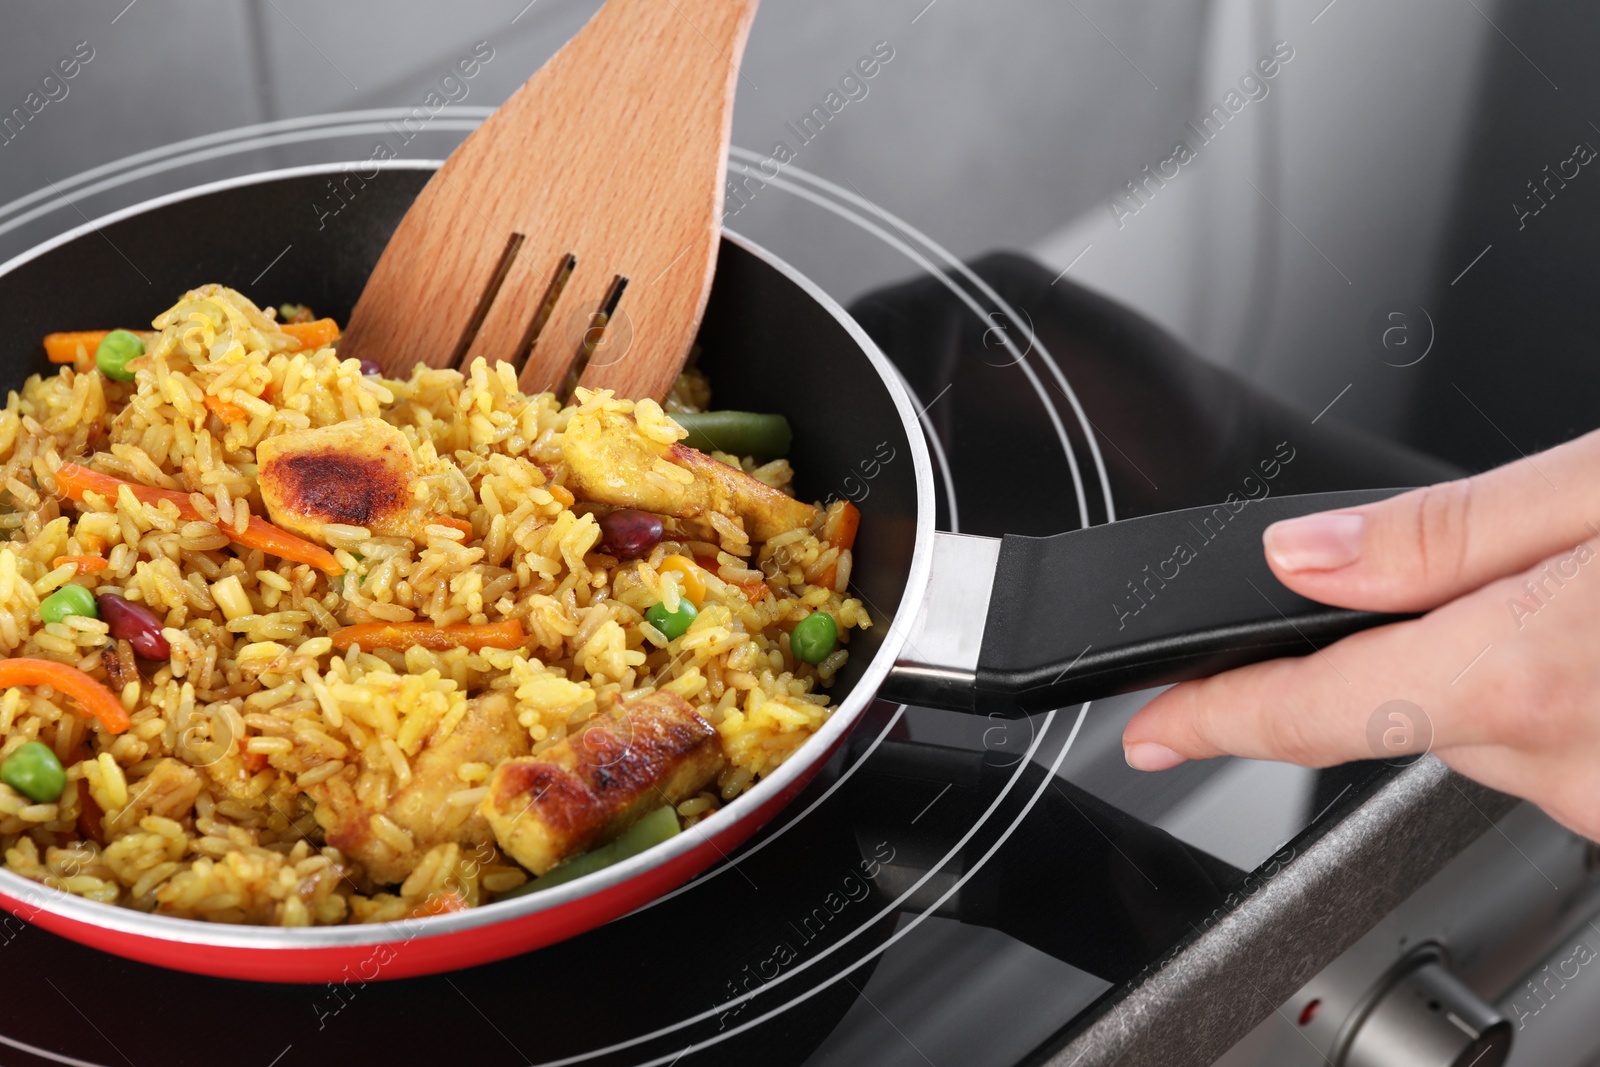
[(1505, 665)]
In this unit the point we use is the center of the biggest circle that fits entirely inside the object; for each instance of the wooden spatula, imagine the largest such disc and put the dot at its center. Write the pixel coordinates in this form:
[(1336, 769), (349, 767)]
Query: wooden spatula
[(574, 234)]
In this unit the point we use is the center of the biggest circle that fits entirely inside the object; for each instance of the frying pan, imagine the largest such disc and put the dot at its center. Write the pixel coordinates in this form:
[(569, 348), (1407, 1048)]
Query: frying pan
[(1001, 626)]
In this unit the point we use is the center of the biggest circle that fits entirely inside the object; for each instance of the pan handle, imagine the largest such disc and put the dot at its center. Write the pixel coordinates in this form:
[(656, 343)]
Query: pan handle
[(1114, 608)]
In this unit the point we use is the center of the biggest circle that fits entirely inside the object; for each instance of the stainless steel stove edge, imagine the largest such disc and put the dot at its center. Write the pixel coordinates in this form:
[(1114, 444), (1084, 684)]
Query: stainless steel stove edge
[(1213, 991)]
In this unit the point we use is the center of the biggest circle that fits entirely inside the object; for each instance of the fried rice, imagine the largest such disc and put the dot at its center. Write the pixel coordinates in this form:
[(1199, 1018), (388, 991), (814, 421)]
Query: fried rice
[(203, 807)]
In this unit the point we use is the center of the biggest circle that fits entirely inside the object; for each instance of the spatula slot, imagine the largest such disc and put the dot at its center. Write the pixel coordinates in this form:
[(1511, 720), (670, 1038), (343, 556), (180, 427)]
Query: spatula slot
[(576, 170), (547, 306), (593, 336), (486, 300)]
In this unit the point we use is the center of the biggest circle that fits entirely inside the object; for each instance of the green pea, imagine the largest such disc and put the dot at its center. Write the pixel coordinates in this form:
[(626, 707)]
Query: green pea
[(68, 600), (813, 639), (34, 771), (672, 623), (120, 348)]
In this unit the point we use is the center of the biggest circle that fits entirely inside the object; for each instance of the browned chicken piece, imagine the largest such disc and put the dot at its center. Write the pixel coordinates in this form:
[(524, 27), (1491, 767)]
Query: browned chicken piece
[(487, 733), (611, 462), (169, 790), (587, 789), (359, 473)]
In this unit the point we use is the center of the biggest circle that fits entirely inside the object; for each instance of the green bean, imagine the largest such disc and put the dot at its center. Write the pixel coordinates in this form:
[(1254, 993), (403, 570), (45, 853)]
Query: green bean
[(34, 771), (740, 433), (116, 351), (658, 826)]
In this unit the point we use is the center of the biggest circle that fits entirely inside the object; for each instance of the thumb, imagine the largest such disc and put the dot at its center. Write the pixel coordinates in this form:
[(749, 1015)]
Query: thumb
[(1421, 549)]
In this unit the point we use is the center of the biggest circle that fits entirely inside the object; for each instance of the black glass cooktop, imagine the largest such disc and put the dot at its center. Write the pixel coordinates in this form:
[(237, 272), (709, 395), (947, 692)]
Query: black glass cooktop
[(1374, 215)]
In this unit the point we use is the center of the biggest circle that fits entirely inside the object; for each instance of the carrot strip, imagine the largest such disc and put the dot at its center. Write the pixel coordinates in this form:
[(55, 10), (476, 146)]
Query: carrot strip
[(75, 481), (400, 636), (436, 519), (275, 541), (226, 410), (63, 347), (85, 564), (95, 698), (844, 526), (318, 334), (842, 536), (755, 590)]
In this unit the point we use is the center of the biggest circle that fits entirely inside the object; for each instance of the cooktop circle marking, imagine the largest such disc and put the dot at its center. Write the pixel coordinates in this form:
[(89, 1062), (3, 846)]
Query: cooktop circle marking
[(779, 831), (937, 447), (45, 1054), (972, 276), (801, 968), (966, 298), (219, 152), (667, 1059)]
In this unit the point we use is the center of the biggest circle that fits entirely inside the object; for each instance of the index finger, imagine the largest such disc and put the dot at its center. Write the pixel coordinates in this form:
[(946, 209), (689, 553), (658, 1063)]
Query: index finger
[(1424, 548)]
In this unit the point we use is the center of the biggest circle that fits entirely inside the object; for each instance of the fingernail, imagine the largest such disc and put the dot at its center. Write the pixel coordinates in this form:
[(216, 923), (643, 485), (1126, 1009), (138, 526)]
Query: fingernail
[(1149, 756), (1315, 543)]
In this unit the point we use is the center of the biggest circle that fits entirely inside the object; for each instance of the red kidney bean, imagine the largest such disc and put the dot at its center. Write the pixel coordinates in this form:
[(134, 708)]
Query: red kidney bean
[(135, 624), (630, 534), (371, 367)]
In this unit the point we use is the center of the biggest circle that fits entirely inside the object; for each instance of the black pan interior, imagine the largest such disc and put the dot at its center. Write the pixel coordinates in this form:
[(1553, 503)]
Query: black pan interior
[(766, 344)]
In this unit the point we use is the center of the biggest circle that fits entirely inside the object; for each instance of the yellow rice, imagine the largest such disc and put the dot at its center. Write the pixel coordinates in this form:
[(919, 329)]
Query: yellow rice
[(205, 810)]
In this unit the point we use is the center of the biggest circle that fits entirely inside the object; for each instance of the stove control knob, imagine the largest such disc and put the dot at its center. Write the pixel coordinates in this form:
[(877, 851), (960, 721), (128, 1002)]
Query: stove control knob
[(1421, 1015)]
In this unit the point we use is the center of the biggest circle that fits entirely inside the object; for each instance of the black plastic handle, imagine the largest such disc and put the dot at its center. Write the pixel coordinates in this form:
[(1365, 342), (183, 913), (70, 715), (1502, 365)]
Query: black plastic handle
[(1150, 601)]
